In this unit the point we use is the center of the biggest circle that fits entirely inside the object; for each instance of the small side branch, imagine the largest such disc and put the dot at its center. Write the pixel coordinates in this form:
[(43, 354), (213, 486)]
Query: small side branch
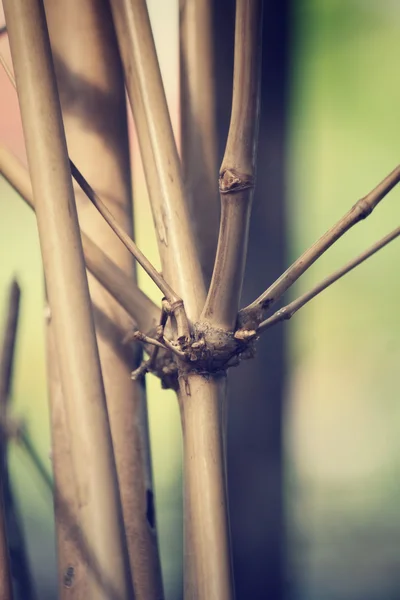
[(175, 301), (237, 174), (288, 311), (252, 315)]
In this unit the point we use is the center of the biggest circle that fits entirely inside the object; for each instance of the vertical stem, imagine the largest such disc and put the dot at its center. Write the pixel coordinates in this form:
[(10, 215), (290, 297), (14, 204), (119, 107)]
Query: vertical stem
[(207, 561), (15, 534), (237, 174), (178, 252), (198, 126), (92, 93), (100, 519), (6, 370)]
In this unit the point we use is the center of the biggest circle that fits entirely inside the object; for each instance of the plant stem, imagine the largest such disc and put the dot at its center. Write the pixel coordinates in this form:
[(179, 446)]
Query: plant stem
[(179, 257), (198, 126), (170, 294), (237, 173), (253, 314), (114, 280), (92, 91), (287, 312), (6, 500), (207, 570), (89, 431)]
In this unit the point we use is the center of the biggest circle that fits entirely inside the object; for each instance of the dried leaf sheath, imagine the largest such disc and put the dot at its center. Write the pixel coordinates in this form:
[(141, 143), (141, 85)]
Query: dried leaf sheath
[(92, 453)]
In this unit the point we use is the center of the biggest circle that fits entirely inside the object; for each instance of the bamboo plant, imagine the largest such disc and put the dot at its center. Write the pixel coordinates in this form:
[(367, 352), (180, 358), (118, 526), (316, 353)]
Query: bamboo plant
[(106, 545)]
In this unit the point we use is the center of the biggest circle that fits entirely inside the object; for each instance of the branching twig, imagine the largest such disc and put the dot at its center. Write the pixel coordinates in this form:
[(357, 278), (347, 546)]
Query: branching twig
[(288, 311), (237, 174), (253, 314)]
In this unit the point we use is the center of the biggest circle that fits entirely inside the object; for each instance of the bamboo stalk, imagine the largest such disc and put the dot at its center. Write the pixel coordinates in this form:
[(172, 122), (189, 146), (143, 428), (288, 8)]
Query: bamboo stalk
[(198, 126), (91, 448), (114, 280), (207, 561), (237, 174), (179, 257), (253, 314), (92, 92), (287, 312)]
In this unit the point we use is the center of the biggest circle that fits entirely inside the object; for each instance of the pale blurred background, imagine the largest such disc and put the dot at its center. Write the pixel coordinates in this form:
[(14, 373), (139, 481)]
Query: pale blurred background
[(340, 355)]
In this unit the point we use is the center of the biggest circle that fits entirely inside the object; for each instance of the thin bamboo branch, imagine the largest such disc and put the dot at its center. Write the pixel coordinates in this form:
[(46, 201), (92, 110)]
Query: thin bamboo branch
[(179, 258), (253, 314), (287, 312), (198, 126), (172, 297), (208, 569), (137, 304), (237, 174), (6, 370), (92, 454)]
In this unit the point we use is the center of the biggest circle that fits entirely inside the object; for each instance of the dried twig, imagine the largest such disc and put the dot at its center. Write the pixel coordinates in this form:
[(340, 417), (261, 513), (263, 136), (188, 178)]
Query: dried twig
[(237, 174), (251, 316), (172, 297), (288, 311)]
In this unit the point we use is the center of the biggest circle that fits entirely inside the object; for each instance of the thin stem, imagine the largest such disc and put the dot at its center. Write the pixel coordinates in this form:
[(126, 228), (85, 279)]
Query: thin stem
[(8, 346), (253, 314), (6, 370), (198, 125), (91, 447), (116, 282), (288, 311), (237, 174), (172, 297), (179, 258)]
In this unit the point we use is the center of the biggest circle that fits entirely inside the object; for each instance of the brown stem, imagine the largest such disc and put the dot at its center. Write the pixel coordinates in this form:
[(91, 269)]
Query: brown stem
[(92, 91), (6, 370), (253, 314), (89, 430), (179, 258), (198, 126), (114, 280), (237, 174), (172, 297), (207, 560), (288, 311)]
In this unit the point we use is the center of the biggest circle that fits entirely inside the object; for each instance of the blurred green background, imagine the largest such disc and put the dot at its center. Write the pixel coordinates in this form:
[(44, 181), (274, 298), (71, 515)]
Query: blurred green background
[(342, 411)]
